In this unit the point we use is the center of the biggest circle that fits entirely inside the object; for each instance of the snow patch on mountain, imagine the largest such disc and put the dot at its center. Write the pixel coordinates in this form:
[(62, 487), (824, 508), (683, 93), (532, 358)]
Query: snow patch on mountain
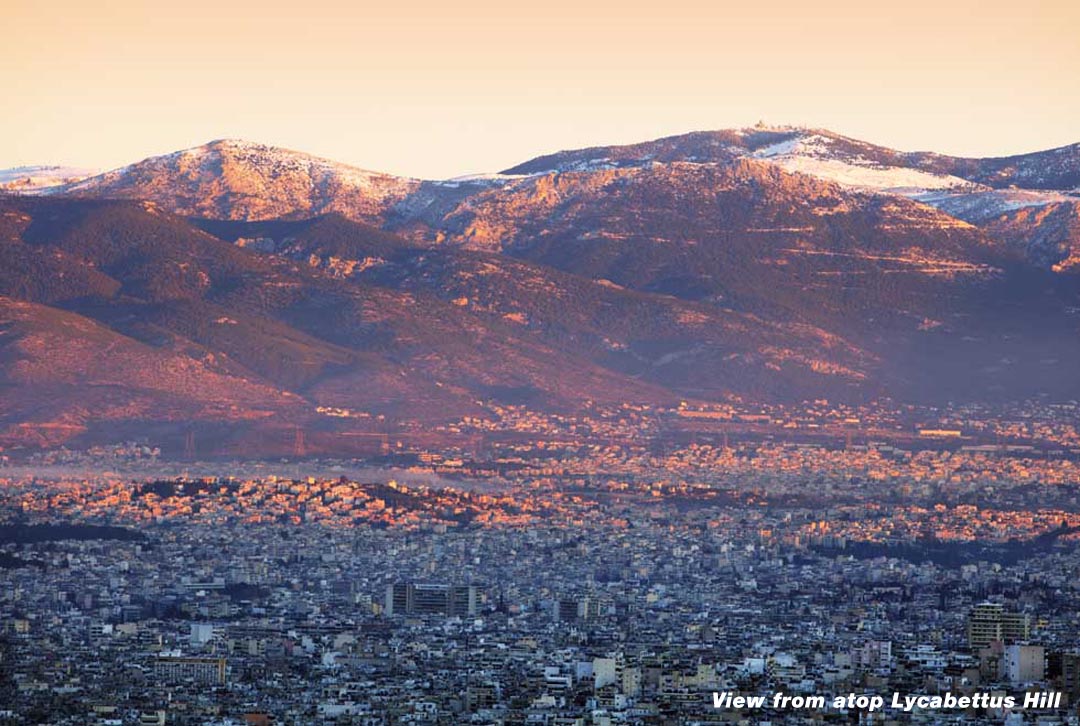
[(479, 181), (30, 179), (814, 154), (982, 206), (895, 180)]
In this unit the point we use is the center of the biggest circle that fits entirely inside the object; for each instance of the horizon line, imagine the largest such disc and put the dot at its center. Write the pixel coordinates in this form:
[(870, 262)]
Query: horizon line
[(101, 170)]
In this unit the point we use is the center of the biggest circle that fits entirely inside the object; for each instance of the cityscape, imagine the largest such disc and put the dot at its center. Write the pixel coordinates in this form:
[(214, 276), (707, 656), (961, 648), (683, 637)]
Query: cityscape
[(566, 581)]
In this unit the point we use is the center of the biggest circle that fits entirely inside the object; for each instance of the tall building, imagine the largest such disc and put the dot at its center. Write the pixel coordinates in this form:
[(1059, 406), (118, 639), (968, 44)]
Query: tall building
[(874, 654), (1070, 676), (1024, 664), (606, 671), (202, 633), (429, 599), (463, 600), (989, 622), (175, 669), (409, 598), (566, 610), (584, 608), (397, 599)]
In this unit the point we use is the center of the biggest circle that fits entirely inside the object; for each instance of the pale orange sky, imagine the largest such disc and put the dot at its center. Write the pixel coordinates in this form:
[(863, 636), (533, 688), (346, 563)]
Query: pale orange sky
[(438, 89)]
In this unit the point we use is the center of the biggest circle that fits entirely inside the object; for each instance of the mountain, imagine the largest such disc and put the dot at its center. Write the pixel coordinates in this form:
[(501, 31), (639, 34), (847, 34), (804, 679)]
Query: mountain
[(769, 265), (898, 280), (974, 190), (744, 234), (239, 180), (63, 374), (28, 179), (231, 179), (831, 156)]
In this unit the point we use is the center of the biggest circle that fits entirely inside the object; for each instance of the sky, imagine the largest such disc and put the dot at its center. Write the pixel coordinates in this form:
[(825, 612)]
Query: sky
[(438, 89)]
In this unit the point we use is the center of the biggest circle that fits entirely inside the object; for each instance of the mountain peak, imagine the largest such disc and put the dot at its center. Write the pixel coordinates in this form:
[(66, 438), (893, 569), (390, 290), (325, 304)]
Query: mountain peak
[(829, 155), (240, 179), (255, 154), (233, 141)]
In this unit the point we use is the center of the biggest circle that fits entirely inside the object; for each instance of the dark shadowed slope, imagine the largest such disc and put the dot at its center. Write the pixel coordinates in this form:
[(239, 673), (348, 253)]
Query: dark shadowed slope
[(151, 284), (692, 347)]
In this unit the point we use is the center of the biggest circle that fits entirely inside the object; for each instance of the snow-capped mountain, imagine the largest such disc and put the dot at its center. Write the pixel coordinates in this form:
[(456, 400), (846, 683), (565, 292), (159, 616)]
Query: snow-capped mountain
[(239, 180), (232, 179), (29, 179), (832, 156), (978, 191)]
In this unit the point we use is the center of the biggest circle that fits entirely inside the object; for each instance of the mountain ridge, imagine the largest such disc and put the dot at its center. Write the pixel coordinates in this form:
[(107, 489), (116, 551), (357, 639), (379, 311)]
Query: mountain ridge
[(718, 145), (706, 267), (242, 180), (724, 144)]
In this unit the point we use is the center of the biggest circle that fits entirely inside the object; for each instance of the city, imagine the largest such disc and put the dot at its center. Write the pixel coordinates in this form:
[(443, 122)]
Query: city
[(562, 583), (571, 363)]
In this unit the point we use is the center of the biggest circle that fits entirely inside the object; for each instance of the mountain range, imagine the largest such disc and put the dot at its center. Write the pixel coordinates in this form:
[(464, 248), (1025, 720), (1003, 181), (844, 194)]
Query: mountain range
[(245, 289)]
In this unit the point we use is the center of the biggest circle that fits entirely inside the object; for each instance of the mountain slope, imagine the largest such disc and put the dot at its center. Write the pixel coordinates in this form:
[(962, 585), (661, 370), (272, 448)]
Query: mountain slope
[(1047, 234), (62, 373), (746, 234), (975, 190), (900, 281), (695, 267), (239, 180), (692, 347), (312, 338)]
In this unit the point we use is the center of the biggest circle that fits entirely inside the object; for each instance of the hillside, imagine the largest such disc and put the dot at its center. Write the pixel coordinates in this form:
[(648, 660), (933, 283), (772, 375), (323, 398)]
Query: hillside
[(746, 235), (238, 180), (153, 285), (692, 347)]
